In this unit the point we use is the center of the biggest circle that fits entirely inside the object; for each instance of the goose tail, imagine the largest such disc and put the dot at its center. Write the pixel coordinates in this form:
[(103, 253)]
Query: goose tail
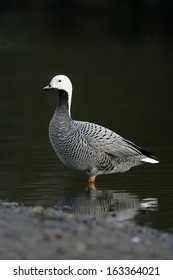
[(150, 160)]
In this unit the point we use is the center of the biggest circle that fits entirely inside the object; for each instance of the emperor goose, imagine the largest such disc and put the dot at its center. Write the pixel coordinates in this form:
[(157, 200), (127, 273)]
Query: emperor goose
[(87, 146)]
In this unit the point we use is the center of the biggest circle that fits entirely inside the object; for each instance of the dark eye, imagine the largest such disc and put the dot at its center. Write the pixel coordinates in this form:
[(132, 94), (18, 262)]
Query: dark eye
[(59, 81)]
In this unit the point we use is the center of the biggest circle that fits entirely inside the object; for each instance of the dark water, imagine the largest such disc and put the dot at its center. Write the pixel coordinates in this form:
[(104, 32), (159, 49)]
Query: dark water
[(124, 86)]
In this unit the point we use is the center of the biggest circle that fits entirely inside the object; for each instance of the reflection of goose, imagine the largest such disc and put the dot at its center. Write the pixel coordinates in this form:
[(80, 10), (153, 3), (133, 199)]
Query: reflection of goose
[(124, 205), (87, 146)]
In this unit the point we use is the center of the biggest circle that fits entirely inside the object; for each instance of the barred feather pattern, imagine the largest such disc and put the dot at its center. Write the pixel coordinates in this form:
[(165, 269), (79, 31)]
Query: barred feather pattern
[(90, 147)]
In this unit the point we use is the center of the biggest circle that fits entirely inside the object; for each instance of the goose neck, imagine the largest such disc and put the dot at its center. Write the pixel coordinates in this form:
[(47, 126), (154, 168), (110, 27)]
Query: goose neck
[(63, 107)]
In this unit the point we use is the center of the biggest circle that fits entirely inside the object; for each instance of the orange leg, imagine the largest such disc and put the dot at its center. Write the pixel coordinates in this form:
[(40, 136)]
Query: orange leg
[(92, 181)]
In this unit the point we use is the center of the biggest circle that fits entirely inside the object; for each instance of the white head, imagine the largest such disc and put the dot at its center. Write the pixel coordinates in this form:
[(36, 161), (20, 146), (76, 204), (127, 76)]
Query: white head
[(61, 82)]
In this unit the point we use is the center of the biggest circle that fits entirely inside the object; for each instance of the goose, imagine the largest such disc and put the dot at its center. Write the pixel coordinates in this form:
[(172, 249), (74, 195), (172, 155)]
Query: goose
[(88, 146)]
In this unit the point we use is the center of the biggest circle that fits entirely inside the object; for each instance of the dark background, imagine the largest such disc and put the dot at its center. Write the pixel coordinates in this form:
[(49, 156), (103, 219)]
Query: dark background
[(118, 55)]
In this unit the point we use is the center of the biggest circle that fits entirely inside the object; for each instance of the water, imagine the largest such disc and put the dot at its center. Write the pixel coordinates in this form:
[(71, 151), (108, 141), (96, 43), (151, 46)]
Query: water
[(124, 86)]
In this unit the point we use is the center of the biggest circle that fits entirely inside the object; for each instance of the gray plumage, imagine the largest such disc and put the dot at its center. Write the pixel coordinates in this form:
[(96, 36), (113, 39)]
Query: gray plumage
[(87, 146)]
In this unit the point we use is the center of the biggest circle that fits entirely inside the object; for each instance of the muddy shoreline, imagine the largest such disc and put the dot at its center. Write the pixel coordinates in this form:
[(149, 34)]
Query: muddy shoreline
[(45, 233)]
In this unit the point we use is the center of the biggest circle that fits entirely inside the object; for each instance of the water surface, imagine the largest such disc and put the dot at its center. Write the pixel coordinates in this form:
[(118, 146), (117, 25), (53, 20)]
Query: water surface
[(124, 86)]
